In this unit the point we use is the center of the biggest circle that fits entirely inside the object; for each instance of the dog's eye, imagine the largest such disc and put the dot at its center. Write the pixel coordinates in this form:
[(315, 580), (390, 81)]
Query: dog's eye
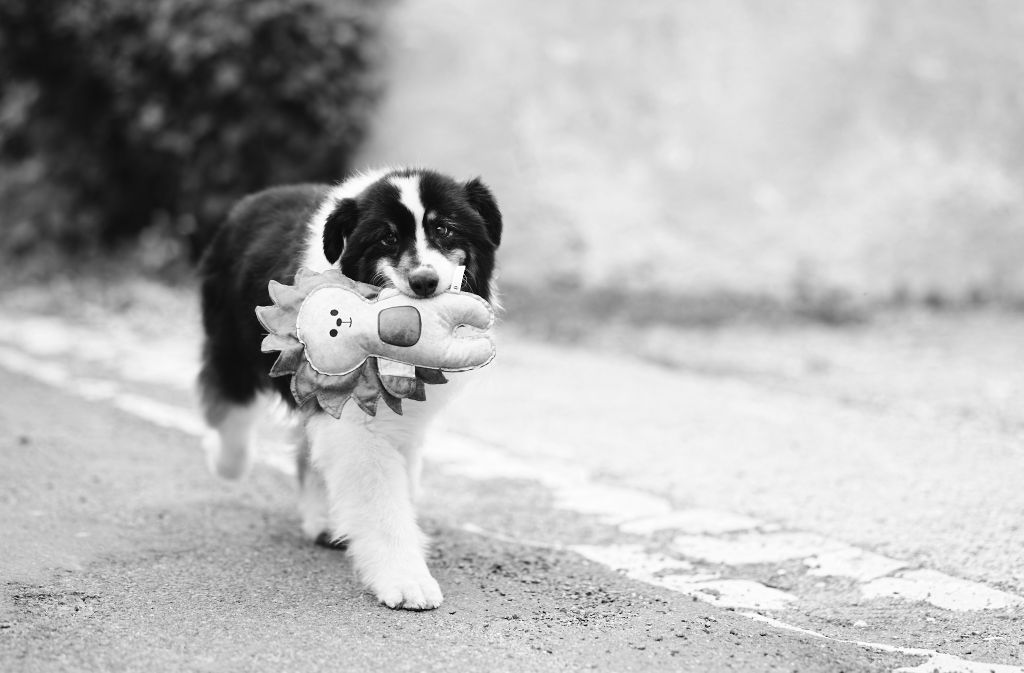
[(390, 240), (442, 231)]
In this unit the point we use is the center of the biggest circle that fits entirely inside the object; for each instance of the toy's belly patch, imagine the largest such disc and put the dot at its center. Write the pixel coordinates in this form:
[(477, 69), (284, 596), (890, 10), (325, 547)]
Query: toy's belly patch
[(399, 326)]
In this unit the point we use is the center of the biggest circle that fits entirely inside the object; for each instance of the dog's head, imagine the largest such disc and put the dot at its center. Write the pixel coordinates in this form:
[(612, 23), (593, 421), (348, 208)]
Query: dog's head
[(411, 229)]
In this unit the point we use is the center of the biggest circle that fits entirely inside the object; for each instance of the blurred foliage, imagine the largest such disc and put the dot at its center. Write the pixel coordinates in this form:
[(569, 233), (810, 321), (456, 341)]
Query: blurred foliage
[(119, 116)]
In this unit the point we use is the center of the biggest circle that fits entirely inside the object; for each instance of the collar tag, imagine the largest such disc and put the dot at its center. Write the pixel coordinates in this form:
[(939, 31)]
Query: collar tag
[(460, 273)]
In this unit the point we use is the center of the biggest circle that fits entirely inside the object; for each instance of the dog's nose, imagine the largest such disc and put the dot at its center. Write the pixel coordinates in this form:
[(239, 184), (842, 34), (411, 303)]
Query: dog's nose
[(423, 281)]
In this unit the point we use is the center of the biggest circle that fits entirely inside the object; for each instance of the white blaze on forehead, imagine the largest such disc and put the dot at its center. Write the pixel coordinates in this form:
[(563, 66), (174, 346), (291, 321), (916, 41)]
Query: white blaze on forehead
[(426, 255), (409, 195)]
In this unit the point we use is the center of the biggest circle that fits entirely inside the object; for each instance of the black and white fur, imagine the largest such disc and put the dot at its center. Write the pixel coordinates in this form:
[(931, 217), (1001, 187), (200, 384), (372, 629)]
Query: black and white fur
[(407, 229)]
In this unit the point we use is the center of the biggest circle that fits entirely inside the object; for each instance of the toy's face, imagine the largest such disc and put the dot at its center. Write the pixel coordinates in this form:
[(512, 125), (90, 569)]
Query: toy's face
[(329, 324), (339, 322)]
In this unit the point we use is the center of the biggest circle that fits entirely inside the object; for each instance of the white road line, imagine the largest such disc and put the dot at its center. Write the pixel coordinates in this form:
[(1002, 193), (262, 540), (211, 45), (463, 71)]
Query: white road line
[(571, 486), (157, 413), (501, 537), (936, 662), (692, 522), (153, 411), (732, 593), (631, 511), (676, 575), (572, 490), (130, 357), (750, 548), (633, 560), (942, 591), (611, 504), (947, 663), (852, 562)]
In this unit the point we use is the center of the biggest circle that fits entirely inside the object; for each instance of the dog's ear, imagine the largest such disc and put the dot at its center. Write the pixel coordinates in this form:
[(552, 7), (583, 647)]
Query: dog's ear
[(339, 225), (482, 201)]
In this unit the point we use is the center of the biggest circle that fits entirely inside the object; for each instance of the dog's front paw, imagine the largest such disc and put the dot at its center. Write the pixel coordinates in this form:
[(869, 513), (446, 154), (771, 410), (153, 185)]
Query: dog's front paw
[(415, 590)]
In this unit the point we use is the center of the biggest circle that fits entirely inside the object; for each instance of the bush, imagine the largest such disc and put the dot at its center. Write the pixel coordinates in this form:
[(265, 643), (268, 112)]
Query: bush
[(160, 113)]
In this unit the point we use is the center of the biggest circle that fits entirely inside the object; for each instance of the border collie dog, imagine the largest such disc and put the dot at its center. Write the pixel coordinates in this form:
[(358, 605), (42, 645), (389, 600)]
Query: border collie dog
[(358, 475)]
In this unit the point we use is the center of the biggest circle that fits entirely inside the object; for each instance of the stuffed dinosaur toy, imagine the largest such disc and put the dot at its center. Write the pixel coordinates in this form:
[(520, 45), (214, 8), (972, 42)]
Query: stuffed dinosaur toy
[(340, 339)]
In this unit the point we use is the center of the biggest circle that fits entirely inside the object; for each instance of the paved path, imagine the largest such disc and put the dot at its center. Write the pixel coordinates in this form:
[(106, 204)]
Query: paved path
[(667, 522)]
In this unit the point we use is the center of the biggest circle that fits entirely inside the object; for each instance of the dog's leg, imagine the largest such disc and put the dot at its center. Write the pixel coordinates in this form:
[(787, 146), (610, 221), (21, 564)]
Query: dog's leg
[(313, 507), (227, 446), (417, 420), (368, 490), (413, 454)]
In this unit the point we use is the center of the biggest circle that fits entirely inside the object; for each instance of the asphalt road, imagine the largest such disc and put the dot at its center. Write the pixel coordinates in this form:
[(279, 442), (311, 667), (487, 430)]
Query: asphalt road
[(675, 523), (121, 553)]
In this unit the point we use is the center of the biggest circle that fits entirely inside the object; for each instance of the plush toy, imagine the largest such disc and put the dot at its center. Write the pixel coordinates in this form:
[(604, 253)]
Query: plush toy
[(340, 339)]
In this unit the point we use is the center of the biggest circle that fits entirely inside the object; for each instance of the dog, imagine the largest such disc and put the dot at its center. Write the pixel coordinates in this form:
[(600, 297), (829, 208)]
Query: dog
[(408, 229)]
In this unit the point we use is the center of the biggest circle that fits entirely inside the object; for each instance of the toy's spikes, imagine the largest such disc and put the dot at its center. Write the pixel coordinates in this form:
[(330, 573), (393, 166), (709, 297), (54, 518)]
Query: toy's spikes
[(399, 386), (285, 296), (292, 356), (393, 402), (304, 384), (367, 391), (279, 320), (431, 376)]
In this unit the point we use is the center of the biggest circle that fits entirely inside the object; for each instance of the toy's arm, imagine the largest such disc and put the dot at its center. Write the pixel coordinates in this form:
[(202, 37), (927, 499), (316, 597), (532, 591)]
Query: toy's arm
[(444, 344), (475, 313), (467, 344)]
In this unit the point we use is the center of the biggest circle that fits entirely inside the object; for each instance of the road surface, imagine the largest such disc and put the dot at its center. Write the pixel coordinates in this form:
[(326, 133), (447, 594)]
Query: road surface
[(671, 521)]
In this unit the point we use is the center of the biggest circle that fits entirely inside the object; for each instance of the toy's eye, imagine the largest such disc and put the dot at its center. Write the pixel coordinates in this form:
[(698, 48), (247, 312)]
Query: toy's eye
[(390, 240), (442, 231)]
